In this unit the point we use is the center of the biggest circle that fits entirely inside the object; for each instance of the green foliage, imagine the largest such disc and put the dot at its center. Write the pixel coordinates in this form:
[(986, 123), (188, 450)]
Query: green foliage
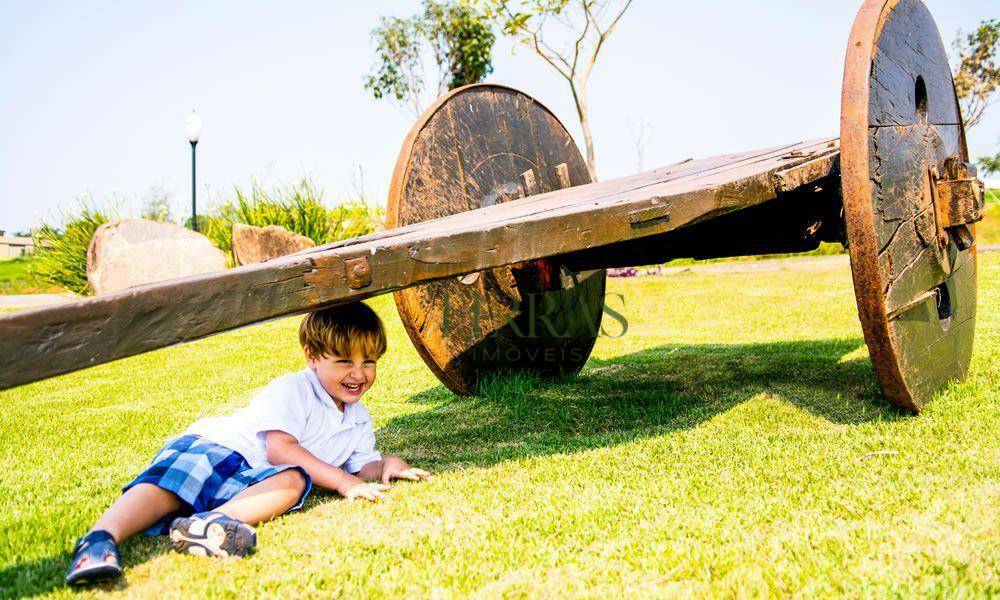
[(15, 278), (61, 250), (988, 230), (204, 222), (977, 75), (297, 207), (458, 36), (518, 18), (397, 73), (990, 164), (462, 41)]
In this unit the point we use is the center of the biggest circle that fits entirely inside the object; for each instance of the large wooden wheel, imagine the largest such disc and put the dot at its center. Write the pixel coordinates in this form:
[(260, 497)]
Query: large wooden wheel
[(477, 146), (900, 121)]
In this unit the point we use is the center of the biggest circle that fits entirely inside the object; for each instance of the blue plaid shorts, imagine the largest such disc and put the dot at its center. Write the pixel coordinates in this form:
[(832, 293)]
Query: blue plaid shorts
[(204, 475)]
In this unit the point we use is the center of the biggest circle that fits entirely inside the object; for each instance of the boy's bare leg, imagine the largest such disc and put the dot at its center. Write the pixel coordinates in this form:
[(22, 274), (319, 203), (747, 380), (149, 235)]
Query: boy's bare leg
[(267, 499), (136, 510)]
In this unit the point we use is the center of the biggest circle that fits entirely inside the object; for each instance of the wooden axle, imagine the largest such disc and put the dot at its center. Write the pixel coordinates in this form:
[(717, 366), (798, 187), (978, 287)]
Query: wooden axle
[(795, 221)]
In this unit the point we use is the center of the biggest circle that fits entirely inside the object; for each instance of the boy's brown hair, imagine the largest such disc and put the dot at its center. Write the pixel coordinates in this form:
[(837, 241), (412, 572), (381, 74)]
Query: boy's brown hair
[(343, 330)]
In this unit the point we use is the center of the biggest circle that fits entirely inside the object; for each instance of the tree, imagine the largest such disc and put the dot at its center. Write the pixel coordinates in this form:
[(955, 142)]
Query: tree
[(990, 164), (398, 72), (459, 38), (977, 75), (588, 24), (462, 40), (157, 204), (640, 135)]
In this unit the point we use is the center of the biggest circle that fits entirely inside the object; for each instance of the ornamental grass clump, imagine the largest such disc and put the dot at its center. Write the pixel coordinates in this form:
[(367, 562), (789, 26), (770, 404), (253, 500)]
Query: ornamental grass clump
[(297, 207), (61, 250)]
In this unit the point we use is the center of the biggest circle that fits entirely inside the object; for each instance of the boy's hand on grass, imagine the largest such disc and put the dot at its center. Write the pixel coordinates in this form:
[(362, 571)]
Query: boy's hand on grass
[(353, 488), (394, 467)]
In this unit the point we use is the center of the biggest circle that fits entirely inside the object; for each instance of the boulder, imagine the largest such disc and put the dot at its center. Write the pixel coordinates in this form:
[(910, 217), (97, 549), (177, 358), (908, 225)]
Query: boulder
[(257, 244), (133, 252)]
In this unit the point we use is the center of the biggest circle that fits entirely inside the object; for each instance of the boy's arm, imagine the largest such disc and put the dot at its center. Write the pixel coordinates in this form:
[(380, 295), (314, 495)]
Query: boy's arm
[(370, 465), (283, 449)]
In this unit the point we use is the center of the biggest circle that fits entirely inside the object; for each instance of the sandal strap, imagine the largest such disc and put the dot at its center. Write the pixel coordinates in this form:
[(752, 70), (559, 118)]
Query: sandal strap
[(94, 537)]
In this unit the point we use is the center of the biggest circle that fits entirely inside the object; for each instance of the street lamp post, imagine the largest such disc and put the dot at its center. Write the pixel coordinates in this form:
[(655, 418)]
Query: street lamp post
[(192, 127)]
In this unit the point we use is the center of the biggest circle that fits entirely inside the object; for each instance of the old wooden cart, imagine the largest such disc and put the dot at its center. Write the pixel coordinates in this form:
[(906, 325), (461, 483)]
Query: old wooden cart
[(498, 239)]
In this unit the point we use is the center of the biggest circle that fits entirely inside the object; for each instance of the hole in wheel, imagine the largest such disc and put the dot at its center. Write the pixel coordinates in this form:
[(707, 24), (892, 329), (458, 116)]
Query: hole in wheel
[(944, 308), (920, 99)]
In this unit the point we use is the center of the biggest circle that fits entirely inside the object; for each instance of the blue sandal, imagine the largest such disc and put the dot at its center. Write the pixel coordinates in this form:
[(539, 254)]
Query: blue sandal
[(212, 534), (95, 560)]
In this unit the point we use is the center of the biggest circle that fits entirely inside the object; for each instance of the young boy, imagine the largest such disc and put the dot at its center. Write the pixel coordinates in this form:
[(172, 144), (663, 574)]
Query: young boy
[(225, 474)]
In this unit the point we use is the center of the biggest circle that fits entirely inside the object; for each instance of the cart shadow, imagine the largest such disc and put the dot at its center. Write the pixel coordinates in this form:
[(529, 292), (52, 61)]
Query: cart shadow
[(612, 401), (652, 392)]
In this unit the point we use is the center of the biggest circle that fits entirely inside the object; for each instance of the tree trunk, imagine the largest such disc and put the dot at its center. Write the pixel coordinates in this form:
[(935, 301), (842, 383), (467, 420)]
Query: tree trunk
[(588, 142), (580, 100)]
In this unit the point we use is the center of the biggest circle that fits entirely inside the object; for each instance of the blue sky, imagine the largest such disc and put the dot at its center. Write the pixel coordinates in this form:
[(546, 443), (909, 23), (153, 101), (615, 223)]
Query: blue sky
[(95, 94)]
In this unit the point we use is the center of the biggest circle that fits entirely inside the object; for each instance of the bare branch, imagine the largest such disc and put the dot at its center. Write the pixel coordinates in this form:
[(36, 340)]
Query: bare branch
[(535, 42), (582, 37), (576, 62), (624, 4)]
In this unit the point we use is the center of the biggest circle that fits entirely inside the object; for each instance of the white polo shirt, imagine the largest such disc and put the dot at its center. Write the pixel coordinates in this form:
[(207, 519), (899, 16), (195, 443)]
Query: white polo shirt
[(297, 404)]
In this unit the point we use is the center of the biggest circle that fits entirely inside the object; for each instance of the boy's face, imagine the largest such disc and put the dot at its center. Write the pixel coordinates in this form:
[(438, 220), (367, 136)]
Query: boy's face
[(344, 378)]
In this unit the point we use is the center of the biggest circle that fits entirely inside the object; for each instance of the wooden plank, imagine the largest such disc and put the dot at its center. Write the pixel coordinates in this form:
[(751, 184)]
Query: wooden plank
[(812, 170), (673, 179), (665, 174), (53, 340)]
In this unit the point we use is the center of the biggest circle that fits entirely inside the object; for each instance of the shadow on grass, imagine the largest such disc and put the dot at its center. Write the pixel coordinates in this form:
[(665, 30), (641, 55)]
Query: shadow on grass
[(611, 402), (647, 393), (43, 575)]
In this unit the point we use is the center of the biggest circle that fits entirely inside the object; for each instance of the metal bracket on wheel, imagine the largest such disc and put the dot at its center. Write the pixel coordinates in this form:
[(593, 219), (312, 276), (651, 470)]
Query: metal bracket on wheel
[(959, 201)]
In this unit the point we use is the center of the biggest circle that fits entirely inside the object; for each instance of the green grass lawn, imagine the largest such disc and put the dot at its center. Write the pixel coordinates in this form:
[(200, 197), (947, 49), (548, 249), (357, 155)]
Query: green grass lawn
[(14, 279), (988, 230), (733, 442)]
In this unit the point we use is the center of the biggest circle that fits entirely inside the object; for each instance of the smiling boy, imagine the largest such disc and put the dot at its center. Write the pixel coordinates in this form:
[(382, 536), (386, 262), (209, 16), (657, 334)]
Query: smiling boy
[(207, 487)]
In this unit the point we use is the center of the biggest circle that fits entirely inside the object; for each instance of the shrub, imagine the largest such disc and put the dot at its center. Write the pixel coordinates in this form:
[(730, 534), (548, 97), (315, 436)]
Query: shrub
[(61, 250), (297, 207)]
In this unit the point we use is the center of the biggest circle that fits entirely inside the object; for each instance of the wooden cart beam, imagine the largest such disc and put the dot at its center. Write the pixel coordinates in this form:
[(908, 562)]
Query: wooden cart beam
[(49, 341)]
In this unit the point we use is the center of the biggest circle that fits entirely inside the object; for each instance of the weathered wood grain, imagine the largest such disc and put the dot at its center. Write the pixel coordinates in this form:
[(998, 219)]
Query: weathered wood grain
[(791, 156), (524, 317), (53, 340), (900, 121)]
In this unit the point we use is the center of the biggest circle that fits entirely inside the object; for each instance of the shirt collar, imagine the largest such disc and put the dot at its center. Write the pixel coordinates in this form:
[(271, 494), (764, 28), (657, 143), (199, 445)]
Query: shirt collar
[(325, 398)]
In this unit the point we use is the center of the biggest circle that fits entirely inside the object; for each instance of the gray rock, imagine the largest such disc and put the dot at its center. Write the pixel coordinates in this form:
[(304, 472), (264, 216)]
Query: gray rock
[(133, 252), (257, 244)]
